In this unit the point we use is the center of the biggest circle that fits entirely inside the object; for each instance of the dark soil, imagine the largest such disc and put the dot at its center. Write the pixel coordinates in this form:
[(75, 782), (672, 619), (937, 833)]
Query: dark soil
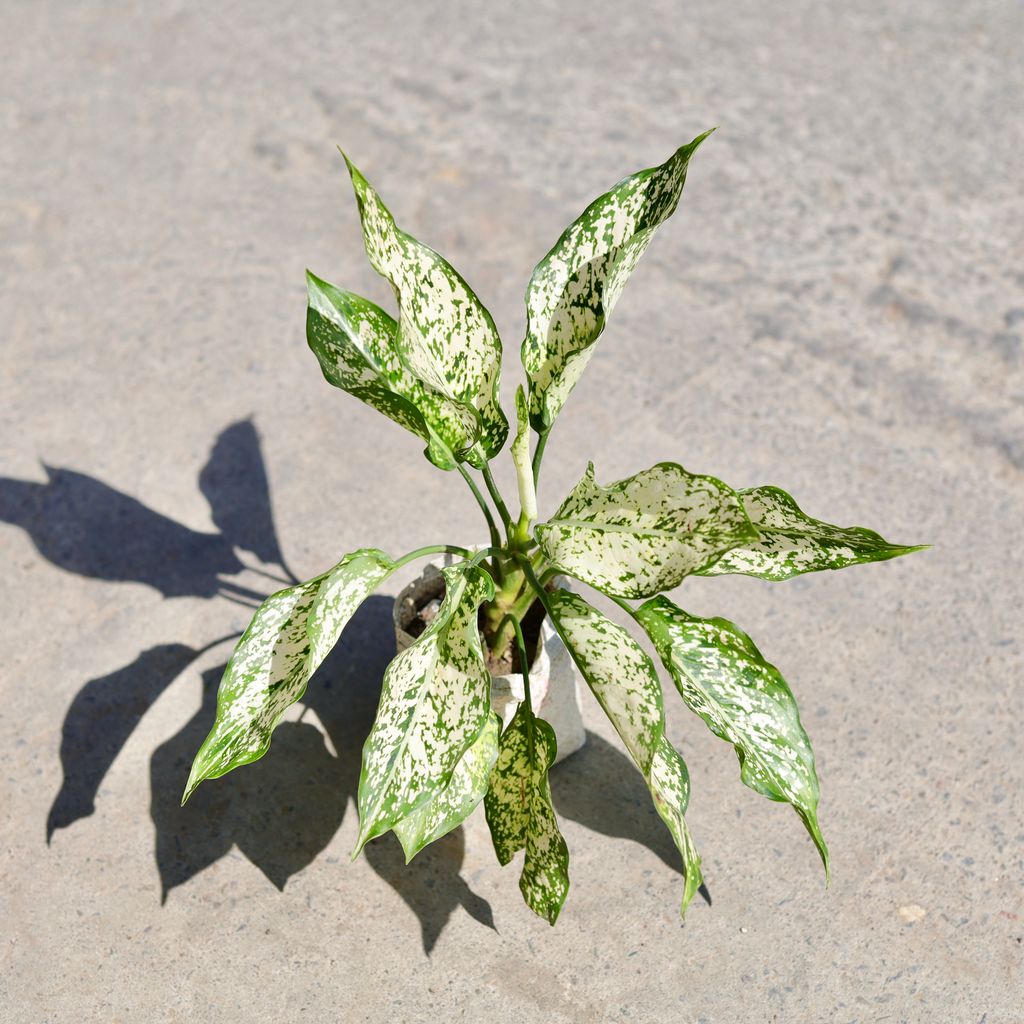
[(427, 609)]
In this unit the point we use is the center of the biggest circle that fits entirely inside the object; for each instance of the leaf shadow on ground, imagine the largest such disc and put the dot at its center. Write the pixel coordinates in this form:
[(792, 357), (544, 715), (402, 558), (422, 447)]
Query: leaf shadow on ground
[(282, 811)]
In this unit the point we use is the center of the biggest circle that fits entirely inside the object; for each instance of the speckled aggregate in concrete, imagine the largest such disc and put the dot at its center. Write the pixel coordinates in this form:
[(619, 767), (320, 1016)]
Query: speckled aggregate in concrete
[(837, 308)]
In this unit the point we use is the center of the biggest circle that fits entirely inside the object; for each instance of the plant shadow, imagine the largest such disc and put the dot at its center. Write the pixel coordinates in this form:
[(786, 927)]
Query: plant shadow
[(282, 811)]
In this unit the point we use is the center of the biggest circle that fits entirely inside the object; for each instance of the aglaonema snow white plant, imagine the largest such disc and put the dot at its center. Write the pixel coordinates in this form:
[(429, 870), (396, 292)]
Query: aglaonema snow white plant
[(437, 749)]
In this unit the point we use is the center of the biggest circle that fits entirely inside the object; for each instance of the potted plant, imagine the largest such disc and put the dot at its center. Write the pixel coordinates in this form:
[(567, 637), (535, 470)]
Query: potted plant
[(439, 745)]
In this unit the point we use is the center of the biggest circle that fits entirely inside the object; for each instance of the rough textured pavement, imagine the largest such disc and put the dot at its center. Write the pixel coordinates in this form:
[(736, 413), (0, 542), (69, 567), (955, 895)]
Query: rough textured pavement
[(837, 308)]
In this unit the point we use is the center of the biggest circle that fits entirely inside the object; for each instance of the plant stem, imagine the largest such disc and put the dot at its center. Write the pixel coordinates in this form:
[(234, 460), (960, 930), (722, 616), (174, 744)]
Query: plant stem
[(525, 669), (436, 549), (538, 454), (499, 502), (484, 507)]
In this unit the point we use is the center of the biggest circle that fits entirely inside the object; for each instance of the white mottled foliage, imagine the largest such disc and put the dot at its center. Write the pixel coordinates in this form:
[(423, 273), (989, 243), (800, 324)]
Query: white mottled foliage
[(457, 801), (789, 542), (644, 534), (626, 684), (289, 636), (355, 343), (445, 335), (434, 703), (574, 288), (724, 679), (669, 783), (520, 814)]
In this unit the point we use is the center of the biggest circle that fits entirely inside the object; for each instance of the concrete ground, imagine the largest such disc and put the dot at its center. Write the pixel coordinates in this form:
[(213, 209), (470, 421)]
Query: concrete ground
[(837, 308)]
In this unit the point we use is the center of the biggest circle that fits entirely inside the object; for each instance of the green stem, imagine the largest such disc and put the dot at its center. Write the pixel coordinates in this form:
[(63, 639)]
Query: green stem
[(531, 576), (527, 700), (524, 665), (622, 604), (538, 454), (436, 549), (484, 507), (499, 502)]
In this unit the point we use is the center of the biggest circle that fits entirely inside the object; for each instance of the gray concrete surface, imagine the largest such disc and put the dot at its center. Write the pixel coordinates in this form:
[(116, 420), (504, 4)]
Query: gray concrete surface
[(837, 308)]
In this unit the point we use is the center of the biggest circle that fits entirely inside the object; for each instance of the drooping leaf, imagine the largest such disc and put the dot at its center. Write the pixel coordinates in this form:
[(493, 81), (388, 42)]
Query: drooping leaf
[(355, 343), (289, 636), (789, 542), (520, 814), (445, 335), (642, 535), (574, 288), (669, 782), (457, 801), (626, 684), (724, 678), (434, 703)]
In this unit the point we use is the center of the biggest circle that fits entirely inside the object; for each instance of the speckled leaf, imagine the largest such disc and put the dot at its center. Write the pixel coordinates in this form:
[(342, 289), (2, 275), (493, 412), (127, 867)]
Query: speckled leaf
[(289, 636), (355, 343), (457, 801), (743, 699), (789, 542), (574, 288), (520, 814), (669, 782), (644, 534), (625, 682), (445, 335), (434, 703)]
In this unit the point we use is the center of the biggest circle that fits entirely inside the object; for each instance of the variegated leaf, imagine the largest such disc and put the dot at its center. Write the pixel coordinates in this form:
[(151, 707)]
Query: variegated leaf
[(723, 677), (289, 636), (626, 684), (644, 534), (434, 703), (789, 542), (669, 782), (354, 341), (520, 451), (445, 335), (574, 288), (520, 814), (457, 801)]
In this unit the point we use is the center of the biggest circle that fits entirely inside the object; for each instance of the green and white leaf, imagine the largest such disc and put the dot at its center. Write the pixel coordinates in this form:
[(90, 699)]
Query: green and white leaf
[(669, 782), (789, 542), (642, 535), (575, 287), (457, 801), (520, 451), (289, 636), (445, 335), (743, 699), (625, 682), (434, 703), (355, 343), (520, 814)]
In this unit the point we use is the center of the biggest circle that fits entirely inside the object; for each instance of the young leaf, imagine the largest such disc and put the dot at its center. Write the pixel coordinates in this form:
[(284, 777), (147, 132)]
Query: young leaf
[(454, 804), (289, 636), (789, 542), (625, 683), (574, 288), (520, 451), (434, 703), (742, 698), (445, 335), (644, 534), (354, 341), (520, 815)]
